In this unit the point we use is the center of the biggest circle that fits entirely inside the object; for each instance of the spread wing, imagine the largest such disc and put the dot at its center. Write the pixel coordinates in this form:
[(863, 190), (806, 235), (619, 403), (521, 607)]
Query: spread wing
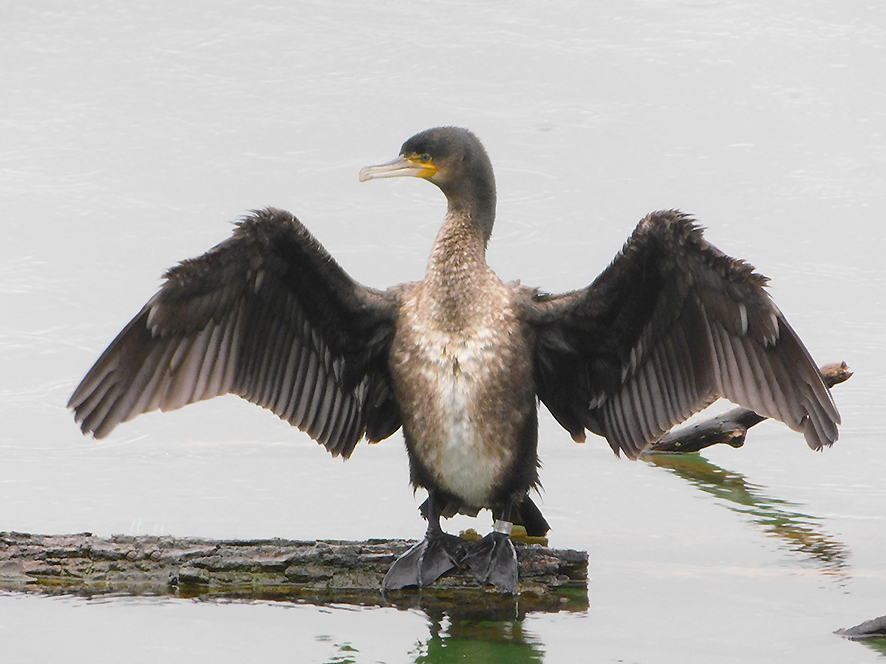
[(267, 315), (671, 325)]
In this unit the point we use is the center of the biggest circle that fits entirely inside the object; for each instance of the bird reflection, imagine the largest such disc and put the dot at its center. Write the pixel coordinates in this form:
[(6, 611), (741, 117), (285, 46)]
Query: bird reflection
[(800, 532), (476, 640)]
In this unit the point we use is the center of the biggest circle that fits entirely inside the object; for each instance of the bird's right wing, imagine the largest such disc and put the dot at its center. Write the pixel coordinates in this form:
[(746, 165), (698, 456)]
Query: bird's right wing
[(267, 315)]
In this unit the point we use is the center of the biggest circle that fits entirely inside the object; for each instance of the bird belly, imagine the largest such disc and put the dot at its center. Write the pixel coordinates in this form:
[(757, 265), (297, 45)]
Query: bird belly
[(462, 460), (463, 421)]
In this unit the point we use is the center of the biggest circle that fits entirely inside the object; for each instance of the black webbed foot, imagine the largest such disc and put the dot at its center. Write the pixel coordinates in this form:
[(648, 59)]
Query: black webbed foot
[(426, 562), (494, 559)]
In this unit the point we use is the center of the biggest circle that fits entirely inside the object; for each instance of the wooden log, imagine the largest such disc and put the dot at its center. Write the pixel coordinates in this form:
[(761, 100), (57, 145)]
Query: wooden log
[(729, 428), (317, 572)]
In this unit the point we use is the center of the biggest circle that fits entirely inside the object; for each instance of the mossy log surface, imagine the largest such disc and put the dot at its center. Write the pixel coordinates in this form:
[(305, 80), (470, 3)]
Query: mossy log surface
[(731, 427), (316, 572)]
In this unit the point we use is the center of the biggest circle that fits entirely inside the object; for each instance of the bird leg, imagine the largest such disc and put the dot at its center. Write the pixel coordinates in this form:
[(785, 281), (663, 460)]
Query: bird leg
[(494, 559), (428, 560)]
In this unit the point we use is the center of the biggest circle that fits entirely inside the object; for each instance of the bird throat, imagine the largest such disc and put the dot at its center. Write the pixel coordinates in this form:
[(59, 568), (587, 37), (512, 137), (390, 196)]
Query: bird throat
[(458, 281)]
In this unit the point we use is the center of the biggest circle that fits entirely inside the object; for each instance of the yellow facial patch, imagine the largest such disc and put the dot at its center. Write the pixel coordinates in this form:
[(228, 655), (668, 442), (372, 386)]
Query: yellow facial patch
[(425, 164)]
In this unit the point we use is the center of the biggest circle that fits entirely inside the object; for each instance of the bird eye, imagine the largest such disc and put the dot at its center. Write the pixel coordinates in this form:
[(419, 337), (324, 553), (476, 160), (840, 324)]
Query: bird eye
[(425, 158)]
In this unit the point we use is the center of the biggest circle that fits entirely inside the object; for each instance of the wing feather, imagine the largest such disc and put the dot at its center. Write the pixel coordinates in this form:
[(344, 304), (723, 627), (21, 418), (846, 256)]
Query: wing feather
[(671, 325), (267, 315)]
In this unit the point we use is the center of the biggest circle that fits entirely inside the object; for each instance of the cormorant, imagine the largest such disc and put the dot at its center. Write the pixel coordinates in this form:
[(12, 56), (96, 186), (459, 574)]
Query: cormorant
[(460, 359)]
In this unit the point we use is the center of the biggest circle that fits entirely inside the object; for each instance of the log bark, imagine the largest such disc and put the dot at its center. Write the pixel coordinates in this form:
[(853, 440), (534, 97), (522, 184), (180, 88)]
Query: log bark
[(731, 427), (316, 572)]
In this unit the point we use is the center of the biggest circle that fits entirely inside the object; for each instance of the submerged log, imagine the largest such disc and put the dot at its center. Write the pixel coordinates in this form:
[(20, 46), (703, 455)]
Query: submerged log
[(869, 629), (731, 427), (316, 572)]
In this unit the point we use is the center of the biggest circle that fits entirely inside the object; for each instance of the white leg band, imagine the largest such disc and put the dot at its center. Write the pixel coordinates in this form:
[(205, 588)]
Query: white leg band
[(503, 527)]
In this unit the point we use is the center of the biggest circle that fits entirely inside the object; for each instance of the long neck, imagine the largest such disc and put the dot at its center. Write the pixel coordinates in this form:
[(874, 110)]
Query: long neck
[(456, 284)]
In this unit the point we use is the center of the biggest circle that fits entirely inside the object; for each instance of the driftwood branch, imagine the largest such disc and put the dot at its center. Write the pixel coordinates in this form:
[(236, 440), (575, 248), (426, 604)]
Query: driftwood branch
[(318, 572), (731, 427)]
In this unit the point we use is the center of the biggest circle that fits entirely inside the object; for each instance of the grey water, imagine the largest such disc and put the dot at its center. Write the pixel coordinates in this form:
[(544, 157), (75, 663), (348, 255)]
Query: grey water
[(132, 134)]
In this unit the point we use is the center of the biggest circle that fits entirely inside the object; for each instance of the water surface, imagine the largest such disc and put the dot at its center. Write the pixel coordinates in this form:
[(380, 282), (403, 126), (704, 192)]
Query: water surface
[(133, 133)]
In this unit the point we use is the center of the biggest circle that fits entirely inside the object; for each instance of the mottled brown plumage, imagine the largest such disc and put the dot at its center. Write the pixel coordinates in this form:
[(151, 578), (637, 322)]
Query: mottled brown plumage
[(459, 358)]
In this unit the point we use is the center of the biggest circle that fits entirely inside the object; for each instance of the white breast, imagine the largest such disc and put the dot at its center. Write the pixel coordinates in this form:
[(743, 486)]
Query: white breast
[(463, 462), (465, 455)]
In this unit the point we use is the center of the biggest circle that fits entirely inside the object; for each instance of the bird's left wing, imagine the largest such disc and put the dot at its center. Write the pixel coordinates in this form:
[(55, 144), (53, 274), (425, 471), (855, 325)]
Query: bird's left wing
[(267, 315), (671, 325)]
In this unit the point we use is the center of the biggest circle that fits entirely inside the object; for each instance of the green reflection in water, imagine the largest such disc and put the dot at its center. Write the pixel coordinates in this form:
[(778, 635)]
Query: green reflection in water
[(799, 532), (877, 645), (468, 640), (347, 654), (470, 631)]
